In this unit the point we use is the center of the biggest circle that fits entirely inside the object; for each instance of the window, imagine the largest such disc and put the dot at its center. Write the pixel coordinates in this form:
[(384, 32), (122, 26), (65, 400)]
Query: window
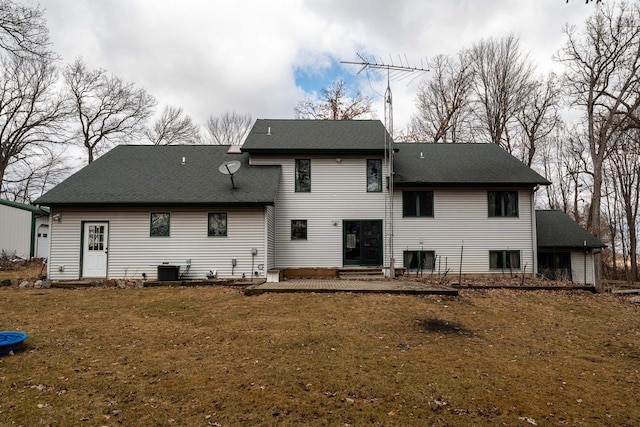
[(503, 203), (298, 229), (303, 175), (417, 203), (374, 175), (420, 260), (504, 260), (217, 224), (160, 224)]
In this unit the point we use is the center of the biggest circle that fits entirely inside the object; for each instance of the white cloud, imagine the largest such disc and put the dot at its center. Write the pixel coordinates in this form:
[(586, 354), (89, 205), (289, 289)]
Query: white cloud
[(210, 57)]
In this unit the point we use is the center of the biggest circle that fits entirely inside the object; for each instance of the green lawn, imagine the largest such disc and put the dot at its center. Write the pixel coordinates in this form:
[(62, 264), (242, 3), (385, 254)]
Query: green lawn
[(211, 356)]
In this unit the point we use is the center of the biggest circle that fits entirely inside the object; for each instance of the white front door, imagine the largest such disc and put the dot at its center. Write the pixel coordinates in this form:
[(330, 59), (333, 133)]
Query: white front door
[(94, 249)]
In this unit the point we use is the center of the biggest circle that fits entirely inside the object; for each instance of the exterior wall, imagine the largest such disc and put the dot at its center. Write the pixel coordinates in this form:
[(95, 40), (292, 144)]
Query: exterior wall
[(15, 231), (578, 258), (338, 192), (131, 251), (460, 217)]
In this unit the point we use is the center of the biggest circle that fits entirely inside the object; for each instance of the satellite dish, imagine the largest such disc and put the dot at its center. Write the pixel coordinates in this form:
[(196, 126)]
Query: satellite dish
[(229, 168)]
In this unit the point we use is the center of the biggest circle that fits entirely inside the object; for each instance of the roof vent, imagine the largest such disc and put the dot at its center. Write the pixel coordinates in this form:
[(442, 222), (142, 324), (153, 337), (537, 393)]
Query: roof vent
[(421, 155), (184, 160), (269, 131)]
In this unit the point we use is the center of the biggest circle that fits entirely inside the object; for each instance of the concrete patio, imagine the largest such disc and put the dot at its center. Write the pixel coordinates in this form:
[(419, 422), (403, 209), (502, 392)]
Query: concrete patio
[(356, 286)]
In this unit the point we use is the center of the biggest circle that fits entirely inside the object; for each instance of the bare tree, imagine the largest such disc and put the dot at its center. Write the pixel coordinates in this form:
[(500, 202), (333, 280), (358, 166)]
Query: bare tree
[(31, 109), (503, 76), (538, 116), (335, 103), (602, 67), (32, 176), (108, 110), (173, 127), (444, 101), (23, 30), (624, 165), (228, 128)]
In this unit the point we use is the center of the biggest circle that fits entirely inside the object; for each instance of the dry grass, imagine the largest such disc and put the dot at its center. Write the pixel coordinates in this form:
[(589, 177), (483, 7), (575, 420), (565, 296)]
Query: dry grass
[(18, 270), (211, 356)]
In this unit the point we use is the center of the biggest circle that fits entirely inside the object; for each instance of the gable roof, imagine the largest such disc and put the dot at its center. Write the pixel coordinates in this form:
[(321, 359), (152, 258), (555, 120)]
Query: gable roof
[(155, 175), (556, 229), (316, 137), (25, 207), (440, 164)]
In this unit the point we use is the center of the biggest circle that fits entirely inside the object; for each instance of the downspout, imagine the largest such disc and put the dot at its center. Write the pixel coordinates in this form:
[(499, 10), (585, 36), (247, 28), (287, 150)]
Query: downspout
[(534, 236), (32, 244)]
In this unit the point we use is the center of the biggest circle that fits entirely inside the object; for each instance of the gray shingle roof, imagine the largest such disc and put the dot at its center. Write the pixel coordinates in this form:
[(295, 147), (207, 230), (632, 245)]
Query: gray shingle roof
[(437, 164), (316, 137), (555, 229), (153, 175)]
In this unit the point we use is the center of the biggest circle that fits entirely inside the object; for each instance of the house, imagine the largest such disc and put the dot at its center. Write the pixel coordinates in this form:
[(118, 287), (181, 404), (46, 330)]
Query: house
[(24, 230), (565, 249), (307, 193)]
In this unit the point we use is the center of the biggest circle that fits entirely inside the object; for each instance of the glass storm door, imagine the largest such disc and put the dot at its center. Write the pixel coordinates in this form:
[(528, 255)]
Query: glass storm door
[(94, 249), (362, 242)]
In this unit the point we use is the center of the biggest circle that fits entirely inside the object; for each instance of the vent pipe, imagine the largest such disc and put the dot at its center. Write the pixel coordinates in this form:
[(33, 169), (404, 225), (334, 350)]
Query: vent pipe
[(269, 131)]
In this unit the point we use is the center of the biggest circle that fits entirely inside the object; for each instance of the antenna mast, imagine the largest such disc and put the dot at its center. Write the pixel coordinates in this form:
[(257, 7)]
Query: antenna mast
[(394, 72)]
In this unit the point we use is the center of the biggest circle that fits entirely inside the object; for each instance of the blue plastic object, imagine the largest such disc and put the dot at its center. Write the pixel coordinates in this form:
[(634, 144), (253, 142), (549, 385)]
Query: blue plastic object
[(10, 341)]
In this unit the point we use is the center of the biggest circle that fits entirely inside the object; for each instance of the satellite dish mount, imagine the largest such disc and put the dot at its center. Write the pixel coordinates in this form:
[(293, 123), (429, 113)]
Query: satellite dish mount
[(229, 168)]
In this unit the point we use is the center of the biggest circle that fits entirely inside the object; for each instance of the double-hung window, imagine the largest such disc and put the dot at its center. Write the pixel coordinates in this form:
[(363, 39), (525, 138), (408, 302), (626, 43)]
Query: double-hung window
[(417, 203), (503, 203), (298, 229), (159, 224), (303, 175), (217, 224)]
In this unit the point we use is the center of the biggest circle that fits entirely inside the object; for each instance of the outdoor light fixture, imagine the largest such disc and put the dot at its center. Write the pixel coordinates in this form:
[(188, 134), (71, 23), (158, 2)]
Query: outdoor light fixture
[(57, 217)]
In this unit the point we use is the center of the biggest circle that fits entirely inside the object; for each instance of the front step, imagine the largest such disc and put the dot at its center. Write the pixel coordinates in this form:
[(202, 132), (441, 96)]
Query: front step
[(361, 273)]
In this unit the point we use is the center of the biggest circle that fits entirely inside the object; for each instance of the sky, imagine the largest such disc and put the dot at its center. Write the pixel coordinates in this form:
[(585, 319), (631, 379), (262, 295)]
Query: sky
[(262, 57)]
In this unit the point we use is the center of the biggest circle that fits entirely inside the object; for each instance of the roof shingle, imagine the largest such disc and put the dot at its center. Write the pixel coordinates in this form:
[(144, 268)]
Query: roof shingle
[(316, 137), (154, 175), (555, 229), (439, 164)]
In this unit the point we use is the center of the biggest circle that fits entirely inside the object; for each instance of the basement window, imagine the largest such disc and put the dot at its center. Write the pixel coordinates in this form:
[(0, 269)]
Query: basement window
[(504, 260), (419, 260), (160, 224)]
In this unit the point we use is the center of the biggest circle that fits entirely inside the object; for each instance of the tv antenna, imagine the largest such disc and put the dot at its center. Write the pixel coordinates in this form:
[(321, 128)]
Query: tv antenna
[(394, 72), (229, 168)]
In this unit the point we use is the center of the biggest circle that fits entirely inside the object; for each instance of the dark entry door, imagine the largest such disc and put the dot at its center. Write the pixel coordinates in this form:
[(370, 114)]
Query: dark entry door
[(362, 242)]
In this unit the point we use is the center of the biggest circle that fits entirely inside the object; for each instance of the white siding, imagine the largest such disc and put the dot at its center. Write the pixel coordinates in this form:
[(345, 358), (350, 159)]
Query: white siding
[(338, 192), (15, 231), (461, 218), (578, 267), (133, 252)]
